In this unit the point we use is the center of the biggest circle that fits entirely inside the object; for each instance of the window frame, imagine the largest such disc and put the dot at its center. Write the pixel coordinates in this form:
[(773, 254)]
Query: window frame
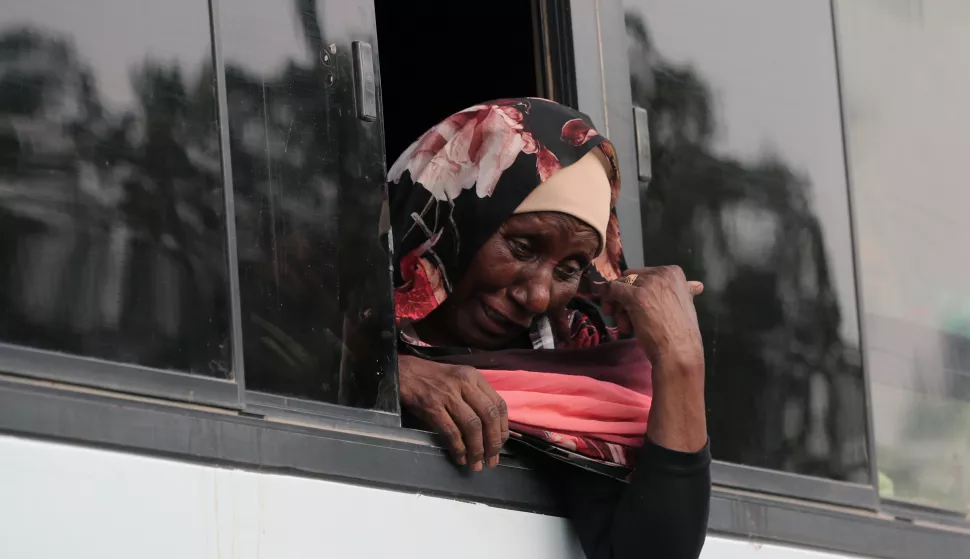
[(554, 62), (857, 276), (125, 378), (409, 461)]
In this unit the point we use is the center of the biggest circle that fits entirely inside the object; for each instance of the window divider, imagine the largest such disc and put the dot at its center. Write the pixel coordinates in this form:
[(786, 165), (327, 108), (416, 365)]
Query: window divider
[(916, 512), (786, 484), (232, 257), (128, 378), (310, 411), (857, 268)]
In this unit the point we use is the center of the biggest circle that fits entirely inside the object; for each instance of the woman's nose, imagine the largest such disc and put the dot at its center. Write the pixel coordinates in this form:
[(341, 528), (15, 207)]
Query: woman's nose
[(534, 291)]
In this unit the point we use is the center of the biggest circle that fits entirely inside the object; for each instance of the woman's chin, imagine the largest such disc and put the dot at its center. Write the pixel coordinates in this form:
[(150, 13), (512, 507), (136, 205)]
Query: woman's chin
[(484, 338), (485, 341)]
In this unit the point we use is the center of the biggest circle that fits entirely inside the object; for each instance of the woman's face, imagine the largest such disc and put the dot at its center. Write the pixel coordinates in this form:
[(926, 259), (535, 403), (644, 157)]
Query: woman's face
[(532, 264)]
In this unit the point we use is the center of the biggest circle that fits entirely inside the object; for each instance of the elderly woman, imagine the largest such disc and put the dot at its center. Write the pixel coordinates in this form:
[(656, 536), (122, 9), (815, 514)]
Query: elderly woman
[(517, 319)]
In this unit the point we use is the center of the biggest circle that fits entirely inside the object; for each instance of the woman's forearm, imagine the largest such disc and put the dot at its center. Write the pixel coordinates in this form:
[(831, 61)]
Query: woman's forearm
[(677, 418), (661, 513)]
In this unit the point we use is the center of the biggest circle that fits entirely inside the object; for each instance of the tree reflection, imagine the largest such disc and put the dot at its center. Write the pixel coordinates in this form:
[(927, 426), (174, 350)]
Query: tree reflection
[(785, 390), (112, 234), (306, 176), (112, 213)]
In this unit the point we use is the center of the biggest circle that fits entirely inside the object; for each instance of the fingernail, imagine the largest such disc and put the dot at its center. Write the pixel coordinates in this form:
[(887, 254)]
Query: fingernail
[(477, 466), (493, 461), (460, 460)]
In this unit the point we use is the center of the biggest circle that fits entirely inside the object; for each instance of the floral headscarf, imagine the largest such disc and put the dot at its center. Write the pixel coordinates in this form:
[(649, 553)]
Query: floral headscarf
[(498, 152)]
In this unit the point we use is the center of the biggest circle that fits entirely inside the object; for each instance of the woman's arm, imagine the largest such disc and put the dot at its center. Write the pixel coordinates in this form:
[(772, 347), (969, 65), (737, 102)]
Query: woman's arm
[(458, 404), (657, 305), (663, 511)]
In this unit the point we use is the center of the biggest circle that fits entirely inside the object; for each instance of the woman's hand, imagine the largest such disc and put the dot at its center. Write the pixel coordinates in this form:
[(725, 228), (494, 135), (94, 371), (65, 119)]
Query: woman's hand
[(459, 405), (658, 307), (657, 304)]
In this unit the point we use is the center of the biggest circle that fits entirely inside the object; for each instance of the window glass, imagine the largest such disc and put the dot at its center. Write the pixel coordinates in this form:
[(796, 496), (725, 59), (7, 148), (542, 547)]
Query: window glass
[(905, 70), (111, 232), (749, 195), (308, 179)]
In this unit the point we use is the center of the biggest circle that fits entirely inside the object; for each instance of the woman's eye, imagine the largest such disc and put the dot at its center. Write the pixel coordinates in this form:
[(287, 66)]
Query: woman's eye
[(568, 273), (520, 249)]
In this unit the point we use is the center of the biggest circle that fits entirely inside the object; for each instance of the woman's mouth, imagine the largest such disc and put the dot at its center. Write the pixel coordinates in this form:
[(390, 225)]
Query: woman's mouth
[(496, 322)]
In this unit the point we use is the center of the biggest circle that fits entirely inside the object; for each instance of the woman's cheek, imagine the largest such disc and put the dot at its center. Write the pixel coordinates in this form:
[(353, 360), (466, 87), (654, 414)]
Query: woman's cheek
[(492, 264), (506, 273), (562, 292)]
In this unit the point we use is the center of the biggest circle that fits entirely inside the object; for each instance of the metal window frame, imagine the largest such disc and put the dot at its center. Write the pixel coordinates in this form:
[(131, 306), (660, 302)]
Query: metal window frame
[(856, 267), (229, 205), (915, 512), (554, 61), (120, 377), (786, 484), (274, 405), (603, 93), (409, 461)]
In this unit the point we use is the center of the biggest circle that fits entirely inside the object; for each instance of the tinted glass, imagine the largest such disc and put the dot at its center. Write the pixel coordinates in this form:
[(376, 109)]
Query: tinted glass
[(906, 87), (308, 180), (749, 195), (111, 235)]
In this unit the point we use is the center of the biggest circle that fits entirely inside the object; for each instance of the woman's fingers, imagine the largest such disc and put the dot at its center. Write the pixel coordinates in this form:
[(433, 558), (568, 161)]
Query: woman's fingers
[(471, 427), (622, 320), (489, 410), (620, 296), (458, 404), (695, 288), (503, 410), (441, 422), (659, 305)]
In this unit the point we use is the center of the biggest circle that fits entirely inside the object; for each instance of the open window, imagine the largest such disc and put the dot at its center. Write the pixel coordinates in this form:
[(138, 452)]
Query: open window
[(440, 58)]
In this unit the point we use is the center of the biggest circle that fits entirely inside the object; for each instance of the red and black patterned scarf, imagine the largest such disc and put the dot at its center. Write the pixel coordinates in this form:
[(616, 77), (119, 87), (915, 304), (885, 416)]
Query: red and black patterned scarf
[(452, 189)]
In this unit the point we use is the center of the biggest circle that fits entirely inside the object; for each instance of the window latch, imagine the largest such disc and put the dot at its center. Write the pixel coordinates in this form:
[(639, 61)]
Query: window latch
[(641, 127), (365, 83)]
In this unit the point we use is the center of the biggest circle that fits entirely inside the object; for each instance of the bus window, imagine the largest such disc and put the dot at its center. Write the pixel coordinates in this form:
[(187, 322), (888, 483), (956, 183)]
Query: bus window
[(111, 236), (749, 195), (905, 69), (307, 177)]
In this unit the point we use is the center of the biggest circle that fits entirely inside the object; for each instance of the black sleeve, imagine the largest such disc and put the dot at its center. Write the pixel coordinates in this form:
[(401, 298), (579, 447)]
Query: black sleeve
[(661, 513)]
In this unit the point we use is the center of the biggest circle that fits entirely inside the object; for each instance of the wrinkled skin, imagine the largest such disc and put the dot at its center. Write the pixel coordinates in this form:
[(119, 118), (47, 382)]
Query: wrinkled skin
[(531, 265)]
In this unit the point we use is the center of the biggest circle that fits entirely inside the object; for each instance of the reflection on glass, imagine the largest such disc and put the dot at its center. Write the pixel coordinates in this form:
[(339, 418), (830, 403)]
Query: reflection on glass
[(749, 195), (308, 181), (905, 69), (111, 236)]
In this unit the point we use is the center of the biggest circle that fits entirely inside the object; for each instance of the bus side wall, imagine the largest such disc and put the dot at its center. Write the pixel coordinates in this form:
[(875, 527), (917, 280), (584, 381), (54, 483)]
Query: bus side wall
[(59, 500)]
